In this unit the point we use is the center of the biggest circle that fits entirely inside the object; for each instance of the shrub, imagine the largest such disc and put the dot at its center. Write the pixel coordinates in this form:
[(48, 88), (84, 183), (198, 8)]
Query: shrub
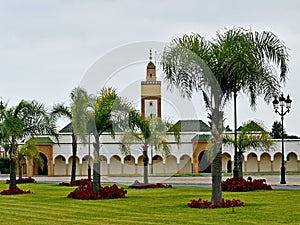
[(76, 182), (139, 185), (236, 184), (208, 205), (23, 180), (85, 192), (14, 190)]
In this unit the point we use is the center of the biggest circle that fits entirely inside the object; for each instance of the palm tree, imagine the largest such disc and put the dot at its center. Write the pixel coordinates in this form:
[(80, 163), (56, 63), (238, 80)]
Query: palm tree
[(239, 60), (248, 60), (60, 110), (250, 135), (27, 119), (96, 115), (29, 151), (151, 131)]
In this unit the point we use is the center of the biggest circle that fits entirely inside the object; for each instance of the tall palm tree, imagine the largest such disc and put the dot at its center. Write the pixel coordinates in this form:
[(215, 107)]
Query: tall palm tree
[(239, 60), (250, 135), (248, 62), (97, 115), (27, 119), (60, 110), (151, 131)]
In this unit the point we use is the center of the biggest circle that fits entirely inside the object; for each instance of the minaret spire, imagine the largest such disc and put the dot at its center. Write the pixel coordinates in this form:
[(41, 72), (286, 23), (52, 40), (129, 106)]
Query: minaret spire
[(150, 57)]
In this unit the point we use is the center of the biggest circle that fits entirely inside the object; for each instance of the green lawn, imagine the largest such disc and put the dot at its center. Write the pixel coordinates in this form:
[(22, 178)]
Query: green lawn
[(49, 205)]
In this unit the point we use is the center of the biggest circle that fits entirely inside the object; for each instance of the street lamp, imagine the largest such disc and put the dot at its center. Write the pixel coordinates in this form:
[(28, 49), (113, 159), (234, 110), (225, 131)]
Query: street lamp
[(276, 104), (89, 162)]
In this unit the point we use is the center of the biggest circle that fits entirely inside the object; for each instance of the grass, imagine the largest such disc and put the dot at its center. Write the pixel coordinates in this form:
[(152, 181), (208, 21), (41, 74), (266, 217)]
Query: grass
[(49, 205)]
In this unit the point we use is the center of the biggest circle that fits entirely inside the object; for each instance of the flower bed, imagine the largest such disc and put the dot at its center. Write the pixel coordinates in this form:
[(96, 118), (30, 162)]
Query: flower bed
[(208, 205), (139, 185), (236, 184), (14, 190), (23, 180), (85, 192), (76, 182)]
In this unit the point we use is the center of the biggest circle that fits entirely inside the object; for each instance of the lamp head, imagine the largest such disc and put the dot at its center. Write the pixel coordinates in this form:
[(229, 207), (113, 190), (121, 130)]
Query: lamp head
[(275, 103)]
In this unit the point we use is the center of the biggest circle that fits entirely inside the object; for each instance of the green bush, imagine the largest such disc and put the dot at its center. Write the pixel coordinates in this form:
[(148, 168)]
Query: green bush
[(4, 166)]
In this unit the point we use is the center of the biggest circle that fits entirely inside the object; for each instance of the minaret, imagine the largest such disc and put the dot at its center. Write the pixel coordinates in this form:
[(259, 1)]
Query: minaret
[(151, 92)]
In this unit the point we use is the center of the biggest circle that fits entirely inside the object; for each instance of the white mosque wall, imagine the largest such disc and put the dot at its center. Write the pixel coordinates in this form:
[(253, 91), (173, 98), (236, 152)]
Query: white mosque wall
[(180, 159)]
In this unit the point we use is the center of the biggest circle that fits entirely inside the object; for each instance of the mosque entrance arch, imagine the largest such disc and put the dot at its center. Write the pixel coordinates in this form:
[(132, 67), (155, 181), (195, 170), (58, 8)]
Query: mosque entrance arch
[(204, 162), (44, 169)]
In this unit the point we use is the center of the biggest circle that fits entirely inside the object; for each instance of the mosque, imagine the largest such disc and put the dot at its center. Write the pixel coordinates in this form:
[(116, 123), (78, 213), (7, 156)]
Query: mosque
[(190, 156)]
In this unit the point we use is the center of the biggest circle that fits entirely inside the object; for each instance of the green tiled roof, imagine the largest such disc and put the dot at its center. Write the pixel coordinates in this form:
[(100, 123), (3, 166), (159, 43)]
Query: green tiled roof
[(40, 140), (192, 126), (67, 129), (201, 137)]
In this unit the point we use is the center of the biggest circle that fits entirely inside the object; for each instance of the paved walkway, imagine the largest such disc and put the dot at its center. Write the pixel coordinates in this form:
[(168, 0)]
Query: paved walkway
[(274, 180)]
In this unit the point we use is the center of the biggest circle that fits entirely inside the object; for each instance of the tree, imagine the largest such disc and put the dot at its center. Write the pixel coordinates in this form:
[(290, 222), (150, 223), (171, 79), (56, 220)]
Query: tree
[(27, 119), (97, 115), (250, 135), (60, 110), (150, 131), (30, 152), (276, 132), (240, 61)]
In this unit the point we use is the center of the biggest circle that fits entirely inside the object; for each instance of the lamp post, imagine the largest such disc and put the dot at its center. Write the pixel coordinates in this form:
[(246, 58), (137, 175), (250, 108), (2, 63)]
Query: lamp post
[(276, 104), (89, 162)]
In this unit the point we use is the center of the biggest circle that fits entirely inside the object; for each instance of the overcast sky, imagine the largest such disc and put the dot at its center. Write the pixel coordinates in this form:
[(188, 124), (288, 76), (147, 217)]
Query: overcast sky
[(47, 47)]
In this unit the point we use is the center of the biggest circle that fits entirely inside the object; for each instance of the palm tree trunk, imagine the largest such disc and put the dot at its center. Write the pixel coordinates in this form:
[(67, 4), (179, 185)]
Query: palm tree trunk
[(240, 165), (217, 141), (13, 165), (217, 176), (145, 159), (96, 165), (20, 169), (74, 156), (235, 168)]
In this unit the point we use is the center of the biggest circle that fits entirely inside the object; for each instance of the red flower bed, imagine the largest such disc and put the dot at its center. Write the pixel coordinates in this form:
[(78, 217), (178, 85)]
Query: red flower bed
[(241, 185), (14, 190), (76, 182), (23, 180), (139, 185), (85, 192), (208, 205)]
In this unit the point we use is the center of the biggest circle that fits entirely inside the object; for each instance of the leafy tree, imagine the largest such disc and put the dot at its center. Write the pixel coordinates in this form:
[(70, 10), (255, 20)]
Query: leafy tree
[(250, 135), (150, 131), (25, 120), (29, 151), (240, 60), (277, 130)]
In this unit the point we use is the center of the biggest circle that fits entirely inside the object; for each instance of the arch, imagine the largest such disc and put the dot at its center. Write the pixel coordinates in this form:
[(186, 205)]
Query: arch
[(85, 165), (60, 165), (291, 163), (171, 164), (140, 165), (44, 169), (158, 165), (265, 163), (226, 162), (185, 164), (252, 165), (129, 165), (103, 165), (277, 162), (69, 166), (115, 165), (204, 162)]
